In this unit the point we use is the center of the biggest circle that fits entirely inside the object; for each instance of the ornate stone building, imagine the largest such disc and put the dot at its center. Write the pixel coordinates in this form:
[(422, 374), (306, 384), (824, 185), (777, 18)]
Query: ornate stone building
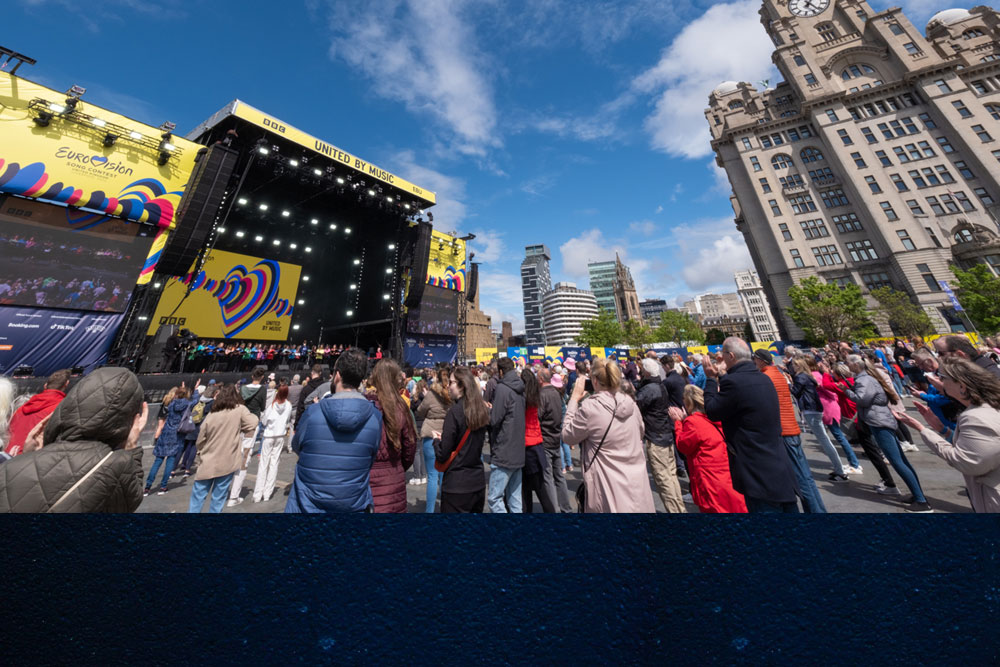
[(626, 298), (876, 160), (758, 310), (478, 328)]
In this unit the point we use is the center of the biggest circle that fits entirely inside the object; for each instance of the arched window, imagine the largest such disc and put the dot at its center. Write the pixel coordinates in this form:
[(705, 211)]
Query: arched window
[(972, 33), (781, 161), (736, 104), (811, 155), (854, 71), (827, 31), (993, 110), (963, 236)]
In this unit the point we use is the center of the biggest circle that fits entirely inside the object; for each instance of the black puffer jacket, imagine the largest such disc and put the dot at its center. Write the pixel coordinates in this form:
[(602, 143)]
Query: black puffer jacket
[(96, 415), (654, 404), (804, 390), (507, 423)]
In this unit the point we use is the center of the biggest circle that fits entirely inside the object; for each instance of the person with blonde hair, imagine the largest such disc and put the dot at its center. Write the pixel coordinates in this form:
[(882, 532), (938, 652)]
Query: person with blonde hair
[(609, 430), (975, 450), (702, 442)]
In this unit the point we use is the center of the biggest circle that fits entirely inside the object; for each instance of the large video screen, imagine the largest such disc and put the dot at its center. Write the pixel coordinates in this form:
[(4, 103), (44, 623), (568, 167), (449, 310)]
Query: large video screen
[(56, 257), (437, 313)]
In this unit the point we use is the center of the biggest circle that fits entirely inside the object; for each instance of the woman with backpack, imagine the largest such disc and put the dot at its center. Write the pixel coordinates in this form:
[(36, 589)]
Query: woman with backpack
[(169, 443), (276, 421), (190, 425)]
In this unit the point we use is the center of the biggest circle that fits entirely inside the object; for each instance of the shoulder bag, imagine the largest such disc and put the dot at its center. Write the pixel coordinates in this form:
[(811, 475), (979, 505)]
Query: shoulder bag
[(581, 491), (79, 482), (442, 467)]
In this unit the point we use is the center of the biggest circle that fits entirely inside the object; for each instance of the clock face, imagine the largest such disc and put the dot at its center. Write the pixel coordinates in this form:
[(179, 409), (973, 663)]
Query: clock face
[(808, 7)]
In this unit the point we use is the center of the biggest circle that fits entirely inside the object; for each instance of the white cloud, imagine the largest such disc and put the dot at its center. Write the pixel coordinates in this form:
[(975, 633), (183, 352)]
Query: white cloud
[(590, 246), (423, 54), (450, 211), (500, 297), (688, 72), (644, 227), (714, 265), (659, 209), (720, 178), (488, 245)]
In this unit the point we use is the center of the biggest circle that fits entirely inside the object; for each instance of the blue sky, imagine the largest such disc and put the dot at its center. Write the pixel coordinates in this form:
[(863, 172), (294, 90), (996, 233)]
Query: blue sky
[(574, 124)]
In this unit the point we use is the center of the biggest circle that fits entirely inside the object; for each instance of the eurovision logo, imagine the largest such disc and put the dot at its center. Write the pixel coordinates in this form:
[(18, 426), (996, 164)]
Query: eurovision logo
[(244, 295)]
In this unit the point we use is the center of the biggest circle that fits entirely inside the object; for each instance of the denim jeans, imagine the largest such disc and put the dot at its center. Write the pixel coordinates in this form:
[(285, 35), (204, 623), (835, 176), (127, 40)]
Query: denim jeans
[(808, 493), (567, 456), (757, 506), (168, 463), (505, 484), (886, 439), (433, 476), (815, 421), (838, 434), (219, 486), (188, 456)]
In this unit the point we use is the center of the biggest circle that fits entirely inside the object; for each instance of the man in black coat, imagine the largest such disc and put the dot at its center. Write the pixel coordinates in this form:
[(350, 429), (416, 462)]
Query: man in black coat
[(506, 441), (746, 403), (315, 380), (673, 382), (654, 404), (550, 419)]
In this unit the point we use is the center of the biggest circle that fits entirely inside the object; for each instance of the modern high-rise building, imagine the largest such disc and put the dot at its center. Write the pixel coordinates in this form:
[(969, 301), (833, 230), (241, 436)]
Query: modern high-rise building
[(758, 310), (650, 310), (565, 309), (876, 160), (535, 281), (614, 289)]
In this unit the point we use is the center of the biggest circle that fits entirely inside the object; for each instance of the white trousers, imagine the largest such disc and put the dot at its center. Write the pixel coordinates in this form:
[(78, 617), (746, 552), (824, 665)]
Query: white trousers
[(267, 469), (241, 474)]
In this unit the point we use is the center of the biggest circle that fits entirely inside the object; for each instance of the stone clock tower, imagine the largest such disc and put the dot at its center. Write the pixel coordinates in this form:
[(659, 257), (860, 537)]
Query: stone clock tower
[(876, 161)]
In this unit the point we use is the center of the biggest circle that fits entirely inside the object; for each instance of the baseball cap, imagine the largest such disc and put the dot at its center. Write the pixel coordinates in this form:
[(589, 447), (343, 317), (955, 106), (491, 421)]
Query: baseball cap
[(764, 356)]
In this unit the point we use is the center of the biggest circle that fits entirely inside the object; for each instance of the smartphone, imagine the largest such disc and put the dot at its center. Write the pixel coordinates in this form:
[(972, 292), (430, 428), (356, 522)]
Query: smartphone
[(589, 386)]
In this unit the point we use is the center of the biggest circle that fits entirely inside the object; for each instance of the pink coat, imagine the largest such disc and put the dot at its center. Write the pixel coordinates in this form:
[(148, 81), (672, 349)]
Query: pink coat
[(827, 398), (617, 480)]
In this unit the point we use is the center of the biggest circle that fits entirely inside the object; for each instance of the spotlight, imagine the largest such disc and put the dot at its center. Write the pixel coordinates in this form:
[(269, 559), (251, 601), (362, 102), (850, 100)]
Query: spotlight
[(135, 135), (43, 119), (302, 302), (406, 206), (350, 313), (340, 180), (168, 126), (258, 239), (57, 108), (295, 326), (285, 214), (385, 297), (240, 234), (221, 230), (242, 201), (314, 221), (76, 91), (263, 207), (305, 278), (163, 159), (109, 140), (318, 172), (388, 270), (371, 193), (156, 285), (353, 286), (333, 226), (389, 199), (263, 150), (167, 146), (308, 249), (293, 246), (293, 163), (356, 262), (392, 246), (347, 230), (70, 105), (98, 122), (276, 242)]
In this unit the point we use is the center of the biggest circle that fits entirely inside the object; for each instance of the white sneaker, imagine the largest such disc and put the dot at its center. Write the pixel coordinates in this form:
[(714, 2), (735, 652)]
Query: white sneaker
[(908, 447), (234, 502), (884, 490), (414, 481)]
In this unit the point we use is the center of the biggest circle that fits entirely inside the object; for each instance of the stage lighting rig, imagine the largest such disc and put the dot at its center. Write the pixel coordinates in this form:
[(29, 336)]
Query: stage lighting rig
[(109, 140)]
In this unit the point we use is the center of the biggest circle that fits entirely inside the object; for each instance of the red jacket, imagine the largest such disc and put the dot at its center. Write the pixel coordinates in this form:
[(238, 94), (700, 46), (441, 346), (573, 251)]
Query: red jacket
[(703, 445), (532, 428), (28, 415)]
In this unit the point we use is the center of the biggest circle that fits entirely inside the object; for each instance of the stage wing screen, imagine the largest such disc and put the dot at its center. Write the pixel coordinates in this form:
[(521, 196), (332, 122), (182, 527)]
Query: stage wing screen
[(57, 257), (234, 296), (437, 313)]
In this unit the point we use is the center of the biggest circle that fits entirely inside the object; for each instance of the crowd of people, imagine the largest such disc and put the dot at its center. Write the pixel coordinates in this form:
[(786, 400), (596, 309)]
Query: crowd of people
[(202, 355), (99, 293), (497, 435)]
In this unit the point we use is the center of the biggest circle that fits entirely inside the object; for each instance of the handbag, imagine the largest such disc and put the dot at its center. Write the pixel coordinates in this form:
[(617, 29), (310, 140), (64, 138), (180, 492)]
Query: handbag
[(581, 491), (187, 425), (442, 467)]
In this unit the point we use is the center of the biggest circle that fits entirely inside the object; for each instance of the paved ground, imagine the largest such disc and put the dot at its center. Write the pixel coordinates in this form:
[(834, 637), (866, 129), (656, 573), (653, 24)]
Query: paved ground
[(943, 486)]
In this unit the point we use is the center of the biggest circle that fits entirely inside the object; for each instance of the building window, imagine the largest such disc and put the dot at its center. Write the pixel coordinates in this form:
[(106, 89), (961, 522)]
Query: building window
[(799, 60), (942, 85), (884, 129), (773, 203), (785, 234), (925, 148), (934, 238), (810, 154), (963, 200), (810, 79), (963, 111), (847, 223), (911, 48), (869, 135), (980, 87), (963, 169), (945, 174), (834, 198), (984, 196), (917, 179), (993, 261), (862, 251), (964, 236), (925, 273), (793, 134), (931, 176), (876, 280), (765, 141), (981, 132), (827, 31), (898, 181), (993, 110), (796, 258), (911, 127), (896, 29), (803, 204), (949, 203), (904, 238), (791, 181), (935, 205), (990, 58), (945, 146), (926, 120), (972, 33), (781, 161), (764, 186), (827, 255), (996, 154), (746, 144), (846, 138), (901, 154), (755, 163), (735, 104), (873, 185), (823, 174), (889, 212), (859, 161), (855, 71), (841, 281), (776, 138), (814, 229), (915, 208), (832, 115)]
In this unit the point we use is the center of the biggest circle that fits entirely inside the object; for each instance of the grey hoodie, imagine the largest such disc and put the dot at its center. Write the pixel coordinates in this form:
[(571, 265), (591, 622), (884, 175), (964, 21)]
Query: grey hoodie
[(872, 402)]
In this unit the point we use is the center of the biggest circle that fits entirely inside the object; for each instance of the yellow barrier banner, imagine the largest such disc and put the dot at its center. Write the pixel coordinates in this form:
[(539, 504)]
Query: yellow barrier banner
[(697, 349), (234, 296), (82, 155), (597, 353), (484, 355), (553, 354), (258, 117), (446, 263)]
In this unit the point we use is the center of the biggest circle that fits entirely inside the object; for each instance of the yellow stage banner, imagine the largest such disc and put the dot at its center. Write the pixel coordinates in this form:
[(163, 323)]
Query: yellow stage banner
[(697, 349), (446, 264), (258, 117), (67, 159), (597, 353), (484, 355), (234, 296)]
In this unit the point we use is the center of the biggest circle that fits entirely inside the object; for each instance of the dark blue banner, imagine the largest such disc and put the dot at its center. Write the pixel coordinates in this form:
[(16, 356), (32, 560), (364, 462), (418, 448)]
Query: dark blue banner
[(425, 351), (576, 353), (48, 340)]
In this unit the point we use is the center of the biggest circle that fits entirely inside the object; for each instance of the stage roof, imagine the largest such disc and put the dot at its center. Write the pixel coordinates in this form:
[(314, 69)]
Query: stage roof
[(244, 111)]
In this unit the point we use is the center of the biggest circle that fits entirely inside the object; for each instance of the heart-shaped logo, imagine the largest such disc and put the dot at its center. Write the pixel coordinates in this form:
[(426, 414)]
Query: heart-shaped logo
[(98, 159), (245, 296)]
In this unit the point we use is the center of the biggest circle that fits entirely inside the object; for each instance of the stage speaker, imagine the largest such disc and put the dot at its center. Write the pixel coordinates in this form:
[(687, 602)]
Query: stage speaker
[(198, 210), (283, 367), (152, 361), (260, 367), (470, 292), (418, 268)]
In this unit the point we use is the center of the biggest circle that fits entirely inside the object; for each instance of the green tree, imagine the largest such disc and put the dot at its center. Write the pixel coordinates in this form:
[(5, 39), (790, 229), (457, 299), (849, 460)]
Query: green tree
[(715, 336), (748, 333), (828, 312), (636, 334), (678, 327), (905, 317), (979, 293), (603, 331)]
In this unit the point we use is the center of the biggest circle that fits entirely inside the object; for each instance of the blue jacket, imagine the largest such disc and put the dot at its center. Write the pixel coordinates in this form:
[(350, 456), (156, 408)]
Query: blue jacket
[(699, 376), (170, 443), (337, 440), (937, 402)]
